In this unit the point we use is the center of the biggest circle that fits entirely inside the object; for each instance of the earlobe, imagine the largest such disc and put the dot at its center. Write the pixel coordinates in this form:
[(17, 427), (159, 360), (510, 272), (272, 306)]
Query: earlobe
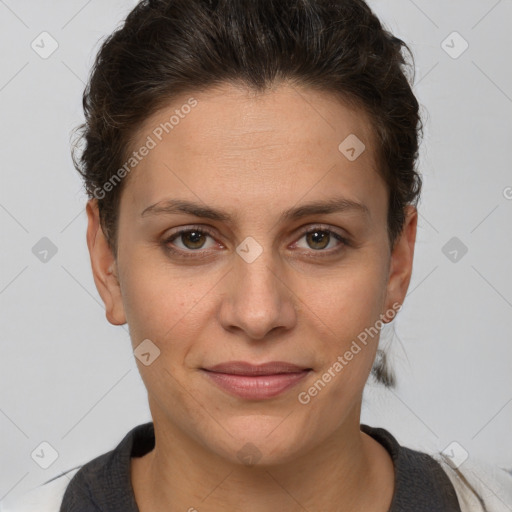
[(401, 262), (104, 267)]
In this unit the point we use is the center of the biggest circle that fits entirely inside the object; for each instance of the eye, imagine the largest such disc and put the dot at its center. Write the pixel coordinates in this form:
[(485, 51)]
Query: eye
[(191, 240), (320, 238)]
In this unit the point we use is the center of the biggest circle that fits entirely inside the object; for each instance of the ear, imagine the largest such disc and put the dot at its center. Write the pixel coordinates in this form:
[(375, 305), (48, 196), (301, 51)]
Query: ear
[(104, 266), (400, 268)]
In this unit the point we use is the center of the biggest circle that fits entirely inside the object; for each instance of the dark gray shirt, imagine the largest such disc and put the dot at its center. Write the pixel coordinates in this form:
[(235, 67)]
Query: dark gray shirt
[(104, 484)]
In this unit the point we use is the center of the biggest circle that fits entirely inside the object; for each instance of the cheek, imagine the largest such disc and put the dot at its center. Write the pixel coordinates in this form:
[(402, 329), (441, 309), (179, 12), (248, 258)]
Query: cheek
[(346, 314), (160, 301), (347, 322), (349, 300)]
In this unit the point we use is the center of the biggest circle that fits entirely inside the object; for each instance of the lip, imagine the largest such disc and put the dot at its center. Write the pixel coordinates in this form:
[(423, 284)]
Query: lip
[(256, 382)]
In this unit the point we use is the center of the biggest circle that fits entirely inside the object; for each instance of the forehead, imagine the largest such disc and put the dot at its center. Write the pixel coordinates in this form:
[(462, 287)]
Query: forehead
[(237, 142), (239, 116)]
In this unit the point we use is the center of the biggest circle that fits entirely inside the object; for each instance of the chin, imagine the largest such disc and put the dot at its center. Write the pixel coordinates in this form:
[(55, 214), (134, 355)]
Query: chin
[(258, 440)]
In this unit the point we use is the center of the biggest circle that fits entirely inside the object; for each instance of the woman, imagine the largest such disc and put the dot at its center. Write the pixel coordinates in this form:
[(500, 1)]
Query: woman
[(252, 217)]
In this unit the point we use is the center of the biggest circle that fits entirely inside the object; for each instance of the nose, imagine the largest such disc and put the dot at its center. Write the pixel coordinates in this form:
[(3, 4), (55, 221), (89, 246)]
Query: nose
[(258, 300)]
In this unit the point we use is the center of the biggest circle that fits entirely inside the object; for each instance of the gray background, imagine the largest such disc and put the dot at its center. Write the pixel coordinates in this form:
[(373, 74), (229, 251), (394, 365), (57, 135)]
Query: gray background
[(68, 377)]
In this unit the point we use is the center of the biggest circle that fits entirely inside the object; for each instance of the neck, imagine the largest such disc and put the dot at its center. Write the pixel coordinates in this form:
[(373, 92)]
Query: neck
[(350, 471)]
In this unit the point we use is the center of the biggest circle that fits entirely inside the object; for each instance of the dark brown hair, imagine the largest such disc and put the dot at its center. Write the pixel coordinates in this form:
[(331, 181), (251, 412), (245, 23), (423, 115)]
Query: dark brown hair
[(166, 48)]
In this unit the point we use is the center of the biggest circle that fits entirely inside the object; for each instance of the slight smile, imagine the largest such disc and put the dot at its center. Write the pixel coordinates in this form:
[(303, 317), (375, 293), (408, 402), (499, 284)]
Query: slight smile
[(256, 382)]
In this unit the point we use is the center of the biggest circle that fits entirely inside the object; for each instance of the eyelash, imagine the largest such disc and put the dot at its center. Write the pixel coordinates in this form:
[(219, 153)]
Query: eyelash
[(204, 231)]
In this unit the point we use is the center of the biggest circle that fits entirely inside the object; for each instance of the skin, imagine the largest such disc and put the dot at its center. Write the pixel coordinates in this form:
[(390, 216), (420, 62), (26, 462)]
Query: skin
[(254, 156)]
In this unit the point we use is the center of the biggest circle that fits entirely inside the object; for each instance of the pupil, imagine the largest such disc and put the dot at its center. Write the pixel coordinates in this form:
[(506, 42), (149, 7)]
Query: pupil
[(194, 237), (318, 236)]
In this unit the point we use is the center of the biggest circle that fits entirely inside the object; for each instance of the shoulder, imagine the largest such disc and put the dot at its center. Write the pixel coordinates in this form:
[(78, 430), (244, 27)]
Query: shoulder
[(45, 498), (91, 486), (434, 481), (480, 487)]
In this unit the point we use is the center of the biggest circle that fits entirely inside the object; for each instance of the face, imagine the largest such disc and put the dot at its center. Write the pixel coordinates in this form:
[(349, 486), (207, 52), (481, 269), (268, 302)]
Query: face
[(247, 235)]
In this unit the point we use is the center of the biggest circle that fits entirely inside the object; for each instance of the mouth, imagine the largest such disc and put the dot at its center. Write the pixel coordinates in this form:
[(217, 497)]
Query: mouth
[(256, 382)]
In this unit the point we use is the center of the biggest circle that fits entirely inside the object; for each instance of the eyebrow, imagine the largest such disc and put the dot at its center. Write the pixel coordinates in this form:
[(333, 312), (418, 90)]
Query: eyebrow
[(334, 205)]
